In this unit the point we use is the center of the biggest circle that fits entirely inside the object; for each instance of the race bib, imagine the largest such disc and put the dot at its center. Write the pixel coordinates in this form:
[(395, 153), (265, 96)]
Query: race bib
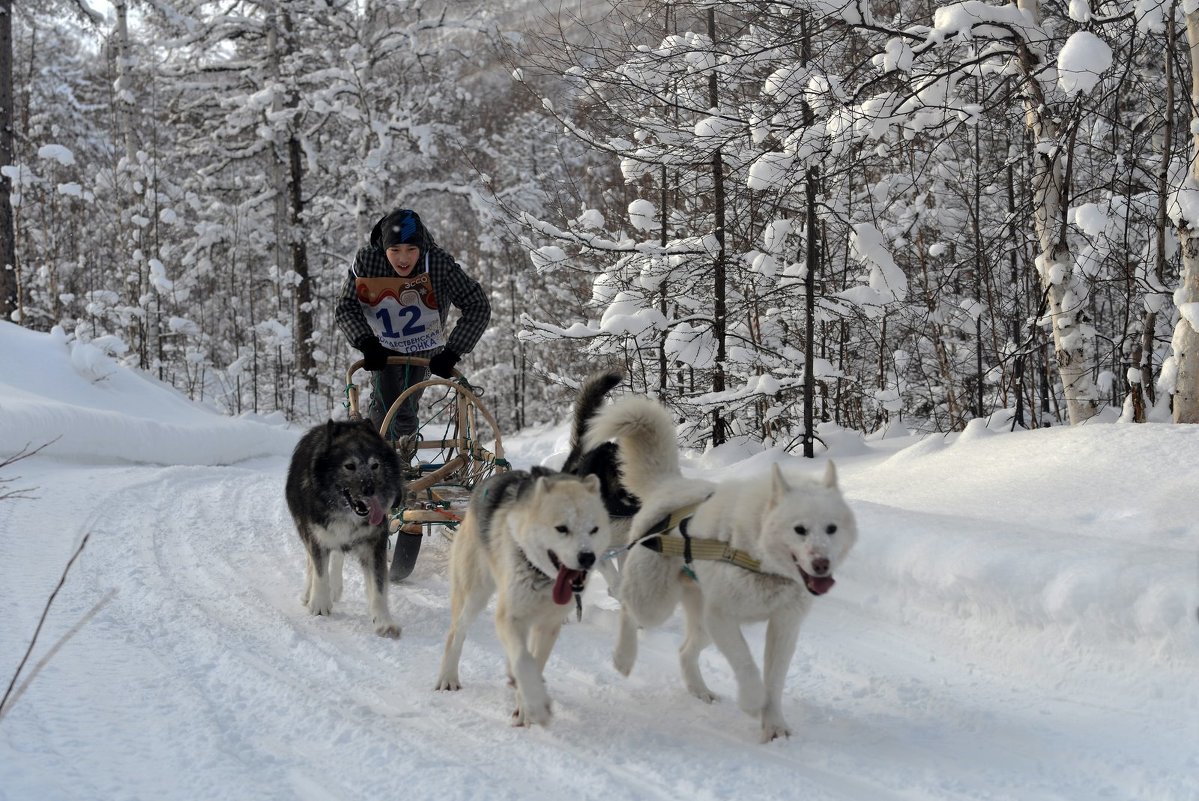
[(401, 311)]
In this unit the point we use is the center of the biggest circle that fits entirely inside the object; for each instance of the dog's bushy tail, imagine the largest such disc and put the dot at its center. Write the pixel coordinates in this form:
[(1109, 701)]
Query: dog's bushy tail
[(645, 431), (591, 398)]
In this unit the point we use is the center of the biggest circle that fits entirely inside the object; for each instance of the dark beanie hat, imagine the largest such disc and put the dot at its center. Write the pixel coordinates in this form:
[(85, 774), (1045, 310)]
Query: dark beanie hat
[(401, 227)]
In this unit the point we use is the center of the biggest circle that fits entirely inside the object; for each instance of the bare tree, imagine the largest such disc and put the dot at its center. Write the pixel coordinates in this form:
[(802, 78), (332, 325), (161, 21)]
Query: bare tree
[(6, 492), (8, 242)]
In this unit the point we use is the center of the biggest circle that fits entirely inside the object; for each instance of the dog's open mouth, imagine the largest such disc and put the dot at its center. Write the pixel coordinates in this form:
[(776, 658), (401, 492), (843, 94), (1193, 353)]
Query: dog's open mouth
[(364, 507), (567, 581), (817, 585)]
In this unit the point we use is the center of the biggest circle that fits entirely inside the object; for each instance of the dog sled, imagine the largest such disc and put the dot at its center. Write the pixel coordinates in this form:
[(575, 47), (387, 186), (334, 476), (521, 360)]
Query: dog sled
[(451, 454)]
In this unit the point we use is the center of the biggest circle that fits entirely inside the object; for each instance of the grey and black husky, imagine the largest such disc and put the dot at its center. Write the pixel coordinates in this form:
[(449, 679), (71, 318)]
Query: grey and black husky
[(531, 535), (342, 481)]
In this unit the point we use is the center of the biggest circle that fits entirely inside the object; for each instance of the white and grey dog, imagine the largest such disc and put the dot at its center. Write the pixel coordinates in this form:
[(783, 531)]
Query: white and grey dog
[(798, 531), (533, 536), (342, 481)]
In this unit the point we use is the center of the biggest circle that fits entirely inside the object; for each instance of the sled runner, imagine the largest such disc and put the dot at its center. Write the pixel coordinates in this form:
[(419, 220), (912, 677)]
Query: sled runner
[(439, 473)]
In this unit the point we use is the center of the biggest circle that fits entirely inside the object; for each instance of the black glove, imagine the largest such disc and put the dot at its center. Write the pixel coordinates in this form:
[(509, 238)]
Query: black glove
[(442, 364), (374, 355)]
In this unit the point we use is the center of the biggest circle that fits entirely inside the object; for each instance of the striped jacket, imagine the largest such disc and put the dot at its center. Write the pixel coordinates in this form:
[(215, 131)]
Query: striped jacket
[(450, 285)]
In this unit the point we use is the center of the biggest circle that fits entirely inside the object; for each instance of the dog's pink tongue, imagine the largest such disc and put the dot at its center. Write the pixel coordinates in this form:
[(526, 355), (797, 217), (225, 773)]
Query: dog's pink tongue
[(376, 511), (564, 582), (819, 585)]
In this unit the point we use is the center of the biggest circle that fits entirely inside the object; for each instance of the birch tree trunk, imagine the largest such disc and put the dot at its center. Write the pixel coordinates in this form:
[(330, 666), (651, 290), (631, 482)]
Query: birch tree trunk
[(1143, 395), (1186, 338), (1054, 261)]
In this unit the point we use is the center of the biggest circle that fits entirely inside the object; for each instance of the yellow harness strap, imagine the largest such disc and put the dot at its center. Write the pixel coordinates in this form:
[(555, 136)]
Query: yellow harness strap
[(693, 548)]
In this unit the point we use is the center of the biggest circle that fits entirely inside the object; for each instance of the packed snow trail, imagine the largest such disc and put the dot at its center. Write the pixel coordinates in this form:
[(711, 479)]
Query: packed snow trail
[(201, 675)]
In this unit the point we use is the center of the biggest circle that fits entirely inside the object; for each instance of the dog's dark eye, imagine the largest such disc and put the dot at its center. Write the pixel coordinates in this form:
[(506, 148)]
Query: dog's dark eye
[(801, 531), (562, 529), (832, 528), (592, 532), (350, 467)]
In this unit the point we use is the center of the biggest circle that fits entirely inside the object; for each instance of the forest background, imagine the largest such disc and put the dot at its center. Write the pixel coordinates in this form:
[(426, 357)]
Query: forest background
[(773, 215)]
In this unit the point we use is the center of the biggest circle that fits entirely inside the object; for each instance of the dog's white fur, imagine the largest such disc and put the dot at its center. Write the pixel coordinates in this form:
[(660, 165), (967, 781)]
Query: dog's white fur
[(508, 548), (788, 525), (321, 592)]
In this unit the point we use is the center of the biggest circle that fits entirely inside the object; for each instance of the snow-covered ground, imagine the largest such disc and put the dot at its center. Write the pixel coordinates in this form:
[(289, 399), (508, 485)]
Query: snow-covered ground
[(1018, 621)]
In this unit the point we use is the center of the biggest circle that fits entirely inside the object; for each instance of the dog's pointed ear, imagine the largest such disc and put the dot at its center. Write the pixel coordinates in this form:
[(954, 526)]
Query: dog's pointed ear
[(830, 475), (330, 427), (539, 487), (366, 423), (778, 485), (592, 483)]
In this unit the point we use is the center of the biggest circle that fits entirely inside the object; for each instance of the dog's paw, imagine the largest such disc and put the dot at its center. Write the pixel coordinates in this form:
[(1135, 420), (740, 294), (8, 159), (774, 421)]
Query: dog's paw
[(622, 662), (529, 714), (705, 695), (775, 730), (387, 629), (751, 697), (320, 604), (448, 683), (624, 655), (773, 724)]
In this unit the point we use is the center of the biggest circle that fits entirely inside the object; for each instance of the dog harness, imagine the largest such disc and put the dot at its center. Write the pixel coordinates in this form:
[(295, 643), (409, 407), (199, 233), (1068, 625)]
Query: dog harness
[(660, 540)]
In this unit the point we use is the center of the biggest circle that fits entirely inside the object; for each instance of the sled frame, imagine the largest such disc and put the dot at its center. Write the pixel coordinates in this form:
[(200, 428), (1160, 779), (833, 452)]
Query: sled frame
[(436, 492)]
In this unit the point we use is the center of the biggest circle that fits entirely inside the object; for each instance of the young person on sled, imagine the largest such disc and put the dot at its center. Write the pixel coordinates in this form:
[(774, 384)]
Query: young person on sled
[(394, 302)]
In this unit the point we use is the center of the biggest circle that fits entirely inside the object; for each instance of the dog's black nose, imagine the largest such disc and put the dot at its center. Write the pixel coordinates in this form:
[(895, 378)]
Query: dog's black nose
[(586, 560), (820, 566)]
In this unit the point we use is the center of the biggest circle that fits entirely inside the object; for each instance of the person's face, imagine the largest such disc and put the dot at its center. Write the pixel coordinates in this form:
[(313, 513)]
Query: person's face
[(403, 259)]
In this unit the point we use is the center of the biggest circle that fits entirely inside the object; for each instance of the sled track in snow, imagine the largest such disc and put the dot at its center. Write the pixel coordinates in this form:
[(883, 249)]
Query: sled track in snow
[(223, 676), (221, 569)]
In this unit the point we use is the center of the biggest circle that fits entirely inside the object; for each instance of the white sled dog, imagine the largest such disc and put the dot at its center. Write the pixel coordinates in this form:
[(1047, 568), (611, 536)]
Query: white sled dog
[(798, 531), (533, 536)]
